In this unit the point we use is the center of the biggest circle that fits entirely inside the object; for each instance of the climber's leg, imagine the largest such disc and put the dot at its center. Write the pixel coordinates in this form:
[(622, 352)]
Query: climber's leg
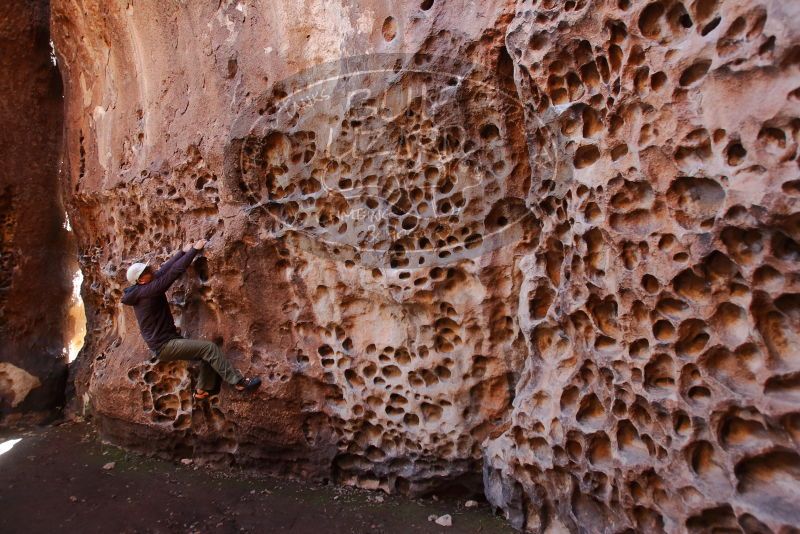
[(208, 352), (214, 357), (208, 379)]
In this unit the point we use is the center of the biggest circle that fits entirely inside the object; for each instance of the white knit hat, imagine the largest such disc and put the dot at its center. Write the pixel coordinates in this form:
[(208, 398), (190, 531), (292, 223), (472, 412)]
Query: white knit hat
[(135, 271)]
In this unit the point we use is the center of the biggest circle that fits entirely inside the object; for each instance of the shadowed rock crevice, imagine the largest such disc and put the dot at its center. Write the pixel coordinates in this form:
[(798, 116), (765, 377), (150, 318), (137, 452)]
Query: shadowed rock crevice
[(34, 243)]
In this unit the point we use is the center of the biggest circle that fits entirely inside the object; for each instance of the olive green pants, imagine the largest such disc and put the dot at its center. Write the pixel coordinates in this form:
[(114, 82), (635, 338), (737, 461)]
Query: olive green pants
[(214, 362)]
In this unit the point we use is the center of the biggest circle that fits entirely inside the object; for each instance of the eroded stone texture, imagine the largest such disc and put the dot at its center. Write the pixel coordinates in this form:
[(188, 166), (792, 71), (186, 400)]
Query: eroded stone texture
[(663, 297), (604, 322), (33, 240)]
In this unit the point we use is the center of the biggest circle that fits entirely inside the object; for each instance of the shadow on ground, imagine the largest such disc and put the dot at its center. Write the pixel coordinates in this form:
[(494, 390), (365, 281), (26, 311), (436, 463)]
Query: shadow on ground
[(54, 480)]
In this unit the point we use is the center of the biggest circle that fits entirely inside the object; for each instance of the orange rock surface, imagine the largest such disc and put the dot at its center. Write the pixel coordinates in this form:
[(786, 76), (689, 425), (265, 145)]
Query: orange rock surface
[(545, 248)]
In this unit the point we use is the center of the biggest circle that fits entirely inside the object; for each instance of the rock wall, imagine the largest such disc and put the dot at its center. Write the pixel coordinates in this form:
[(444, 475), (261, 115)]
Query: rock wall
[(552, 245), (33, 240)]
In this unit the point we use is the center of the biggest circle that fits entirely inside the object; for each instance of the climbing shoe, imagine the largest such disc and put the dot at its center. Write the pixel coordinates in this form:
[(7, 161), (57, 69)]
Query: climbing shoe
[(248, 384)]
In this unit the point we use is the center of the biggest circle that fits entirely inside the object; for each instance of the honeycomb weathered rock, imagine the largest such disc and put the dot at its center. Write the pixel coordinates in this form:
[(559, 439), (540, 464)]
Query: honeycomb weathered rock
[(582, 278)]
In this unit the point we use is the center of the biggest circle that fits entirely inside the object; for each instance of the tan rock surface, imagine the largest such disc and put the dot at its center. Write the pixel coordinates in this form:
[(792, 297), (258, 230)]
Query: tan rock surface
[(555, 242), (16, 383)]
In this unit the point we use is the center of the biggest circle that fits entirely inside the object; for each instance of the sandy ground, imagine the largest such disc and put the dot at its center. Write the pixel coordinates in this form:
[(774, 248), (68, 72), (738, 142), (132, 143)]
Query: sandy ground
[(54, 480)]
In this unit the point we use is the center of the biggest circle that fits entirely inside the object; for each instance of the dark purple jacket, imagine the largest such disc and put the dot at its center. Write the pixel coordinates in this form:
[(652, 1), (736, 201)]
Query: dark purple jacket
[(150, 304)]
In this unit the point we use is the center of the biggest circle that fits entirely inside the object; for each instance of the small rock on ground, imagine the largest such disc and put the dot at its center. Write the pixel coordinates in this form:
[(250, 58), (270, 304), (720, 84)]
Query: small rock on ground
[(445, 520)]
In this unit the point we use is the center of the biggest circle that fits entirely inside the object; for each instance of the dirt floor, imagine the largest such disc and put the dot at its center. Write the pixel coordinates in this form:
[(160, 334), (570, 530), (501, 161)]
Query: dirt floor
[(58, 479)]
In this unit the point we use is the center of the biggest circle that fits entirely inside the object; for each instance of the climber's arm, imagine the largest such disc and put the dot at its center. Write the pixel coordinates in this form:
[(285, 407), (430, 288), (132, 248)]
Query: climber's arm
[(167, 264), (162, 282)]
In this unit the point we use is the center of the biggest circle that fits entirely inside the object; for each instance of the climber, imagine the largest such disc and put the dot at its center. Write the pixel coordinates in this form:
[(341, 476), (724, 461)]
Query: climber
[(147, 295)]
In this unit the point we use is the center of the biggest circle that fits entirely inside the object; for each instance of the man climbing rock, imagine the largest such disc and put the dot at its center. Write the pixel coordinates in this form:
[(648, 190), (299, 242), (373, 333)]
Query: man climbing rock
[(147, 295)]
